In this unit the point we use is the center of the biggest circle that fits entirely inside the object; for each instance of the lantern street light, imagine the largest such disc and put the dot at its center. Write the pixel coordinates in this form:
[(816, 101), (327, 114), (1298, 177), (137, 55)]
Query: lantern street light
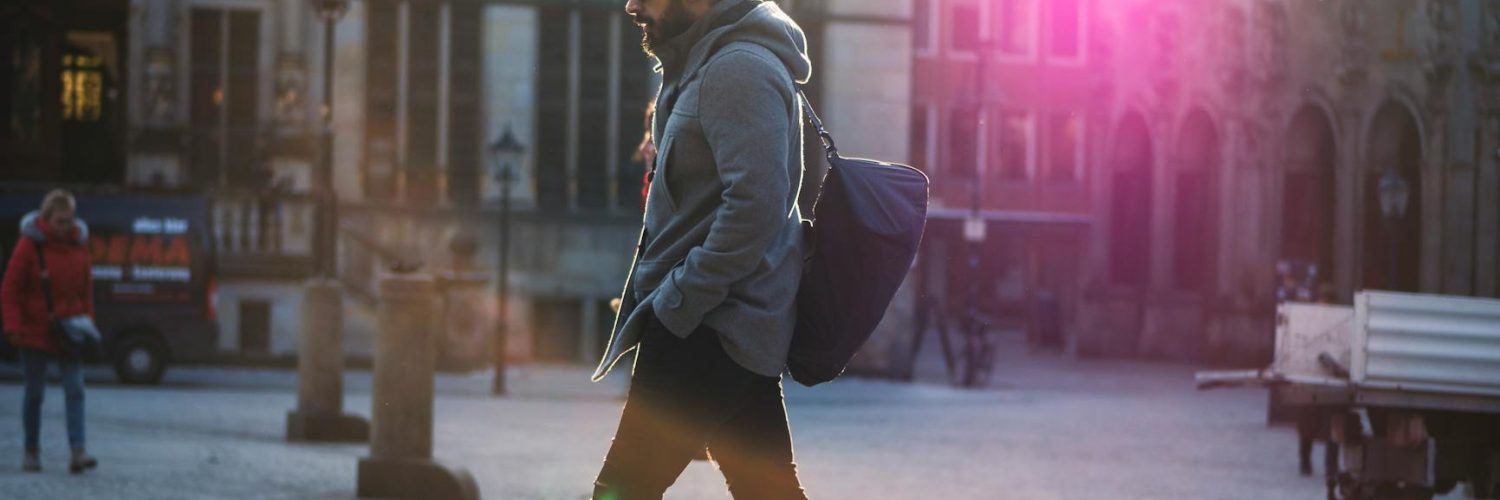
[(507, 153), (330, 11), (1394, 194)]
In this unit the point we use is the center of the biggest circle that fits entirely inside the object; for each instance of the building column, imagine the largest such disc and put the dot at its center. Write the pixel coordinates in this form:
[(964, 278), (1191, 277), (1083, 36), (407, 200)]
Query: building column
[(1347, 221), (1100, 177), (1487, 209), (575, 84), (1434, 172), (1163, 194)]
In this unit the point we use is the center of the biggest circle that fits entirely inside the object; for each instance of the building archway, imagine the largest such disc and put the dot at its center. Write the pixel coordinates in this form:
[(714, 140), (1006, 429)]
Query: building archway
[(1392, 248), (1309, 192), (1130, 203), (1195, 211)]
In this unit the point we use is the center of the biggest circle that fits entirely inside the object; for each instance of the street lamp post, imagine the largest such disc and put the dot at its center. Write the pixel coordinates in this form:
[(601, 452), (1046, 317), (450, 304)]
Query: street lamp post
[(975, 346), (974, 230), (507, 153), (330, 11), (1394, 194)]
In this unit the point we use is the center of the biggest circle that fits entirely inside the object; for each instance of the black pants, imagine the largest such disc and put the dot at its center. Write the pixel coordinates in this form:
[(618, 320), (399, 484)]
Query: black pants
[(686, 394), (1312, 425)]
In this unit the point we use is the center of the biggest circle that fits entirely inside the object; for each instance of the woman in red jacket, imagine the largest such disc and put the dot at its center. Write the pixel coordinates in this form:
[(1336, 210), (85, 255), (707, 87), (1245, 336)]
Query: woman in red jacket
[(55, 234)]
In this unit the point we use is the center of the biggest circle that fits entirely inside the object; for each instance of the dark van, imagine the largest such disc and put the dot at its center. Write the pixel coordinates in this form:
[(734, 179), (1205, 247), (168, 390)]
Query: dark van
[(153, 275)]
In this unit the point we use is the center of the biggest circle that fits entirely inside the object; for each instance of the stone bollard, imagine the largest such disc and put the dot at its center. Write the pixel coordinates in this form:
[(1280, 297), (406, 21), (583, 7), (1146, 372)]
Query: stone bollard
[(320, 372), (400, 464)]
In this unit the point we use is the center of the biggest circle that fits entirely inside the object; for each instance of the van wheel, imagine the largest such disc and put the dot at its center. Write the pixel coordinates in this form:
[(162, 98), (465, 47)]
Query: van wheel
[(140, 359)]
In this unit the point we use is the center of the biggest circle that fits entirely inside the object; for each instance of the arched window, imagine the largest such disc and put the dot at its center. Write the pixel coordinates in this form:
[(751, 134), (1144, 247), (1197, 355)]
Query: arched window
[(1309, 193), (1130, 204), (1195, 232), (1393, 244)]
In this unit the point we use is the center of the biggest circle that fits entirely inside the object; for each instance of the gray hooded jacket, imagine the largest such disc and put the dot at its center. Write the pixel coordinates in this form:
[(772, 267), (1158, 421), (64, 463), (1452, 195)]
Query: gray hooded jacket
[(723, 238)]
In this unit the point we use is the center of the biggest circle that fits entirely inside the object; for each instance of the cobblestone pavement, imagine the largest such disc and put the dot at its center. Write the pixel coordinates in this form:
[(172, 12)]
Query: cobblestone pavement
[(1048, 428)]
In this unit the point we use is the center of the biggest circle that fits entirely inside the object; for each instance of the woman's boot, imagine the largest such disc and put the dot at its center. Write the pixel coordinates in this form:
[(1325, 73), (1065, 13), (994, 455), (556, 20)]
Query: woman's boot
[(31, 462), (81, 461)]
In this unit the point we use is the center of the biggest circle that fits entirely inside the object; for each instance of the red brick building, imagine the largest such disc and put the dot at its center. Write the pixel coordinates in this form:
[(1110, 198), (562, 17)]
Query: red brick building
[(1004, 100)]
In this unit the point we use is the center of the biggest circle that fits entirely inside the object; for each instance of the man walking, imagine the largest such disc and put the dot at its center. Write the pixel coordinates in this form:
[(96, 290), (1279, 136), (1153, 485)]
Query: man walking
[(710, 301)]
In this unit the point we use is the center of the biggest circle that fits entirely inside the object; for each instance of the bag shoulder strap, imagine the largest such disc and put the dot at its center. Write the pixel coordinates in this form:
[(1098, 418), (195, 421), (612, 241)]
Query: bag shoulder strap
[(41, 260), (830, 149)]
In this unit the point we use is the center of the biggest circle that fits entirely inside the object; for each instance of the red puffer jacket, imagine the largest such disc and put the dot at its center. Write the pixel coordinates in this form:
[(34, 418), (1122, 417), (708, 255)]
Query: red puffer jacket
[(22, 303)]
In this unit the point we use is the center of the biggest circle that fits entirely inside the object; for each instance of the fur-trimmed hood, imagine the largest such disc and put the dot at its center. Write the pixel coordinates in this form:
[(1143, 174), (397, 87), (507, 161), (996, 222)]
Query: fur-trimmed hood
[(31, 227)]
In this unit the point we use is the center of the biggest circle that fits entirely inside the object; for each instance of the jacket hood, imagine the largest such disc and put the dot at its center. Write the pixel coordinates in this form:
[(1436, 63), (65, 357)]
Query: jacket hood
[(31, 227), (765, 25)]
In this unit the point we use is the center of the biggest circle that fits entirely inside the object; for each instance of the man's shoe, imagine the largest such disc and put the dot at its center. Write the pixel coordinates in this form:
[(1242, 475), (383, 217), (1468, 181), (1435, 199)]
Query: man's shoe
[(31, 462), (81, 462)]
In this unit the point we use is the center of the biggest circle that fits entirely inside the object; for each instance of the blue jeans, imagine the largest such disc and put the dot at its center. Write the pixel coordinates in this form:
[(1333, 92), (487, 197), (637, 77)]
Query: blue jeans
[(34, 366)]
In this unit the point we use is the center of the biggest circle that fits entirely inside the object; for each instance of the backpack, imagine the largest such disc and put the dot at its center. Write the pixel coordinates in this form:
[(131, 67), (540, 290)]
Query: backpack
[(867, 224)]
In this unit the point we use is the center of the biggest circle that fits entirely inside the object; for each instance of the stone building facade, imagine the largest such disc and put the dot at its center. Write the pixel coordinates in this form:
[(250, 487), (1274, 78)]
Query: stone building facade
[(1242, 133), (1213, 140)]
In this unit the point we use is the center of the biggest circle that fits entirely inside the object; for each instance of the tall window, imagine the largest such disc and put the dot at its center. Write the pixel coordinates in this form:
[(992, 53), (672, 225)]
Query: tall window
[(21, 87), (1195, 231), (966, 22), (223, 90), (83, 87), (1310, 191), (963, 145), (423, 66), (1013, 135), (595, 43), (552, 108), (90, 62), (465, 132), (1130, 204), (1015, 27), (593, 84), (1065, 154), (1067, 29), (424, 132), (381, 99)]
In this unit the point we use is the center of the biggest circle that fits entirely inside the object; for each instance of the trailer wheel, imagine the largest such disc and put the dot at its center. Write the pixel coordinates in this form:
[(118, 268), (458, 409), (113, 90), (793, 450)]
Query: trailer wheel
[(1346, 489), (140, 359)]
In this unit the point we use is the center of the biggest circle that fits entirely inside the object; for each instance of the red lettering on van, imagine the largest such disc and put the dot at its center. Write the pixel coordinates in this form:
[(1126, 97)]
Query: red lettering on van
[(145, 250), (176, 254)]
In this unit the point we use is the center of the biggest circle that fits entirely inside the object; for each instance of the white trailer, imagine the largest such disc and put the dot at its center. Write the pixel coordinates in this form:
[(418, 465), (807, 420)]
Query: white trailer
[(1409, 382)]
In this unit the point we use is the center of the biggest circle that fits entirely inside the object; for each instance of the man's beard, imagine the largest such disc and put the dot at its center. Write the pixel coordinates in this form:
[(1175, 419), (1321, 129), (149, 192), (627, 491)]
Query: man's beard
[(674, 21)]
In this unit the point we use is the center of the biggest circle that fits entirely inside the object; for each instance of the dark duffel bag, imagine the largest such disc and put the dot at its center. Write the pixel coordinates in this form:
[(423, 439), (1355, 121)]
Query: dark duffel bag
[(866, 227)]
